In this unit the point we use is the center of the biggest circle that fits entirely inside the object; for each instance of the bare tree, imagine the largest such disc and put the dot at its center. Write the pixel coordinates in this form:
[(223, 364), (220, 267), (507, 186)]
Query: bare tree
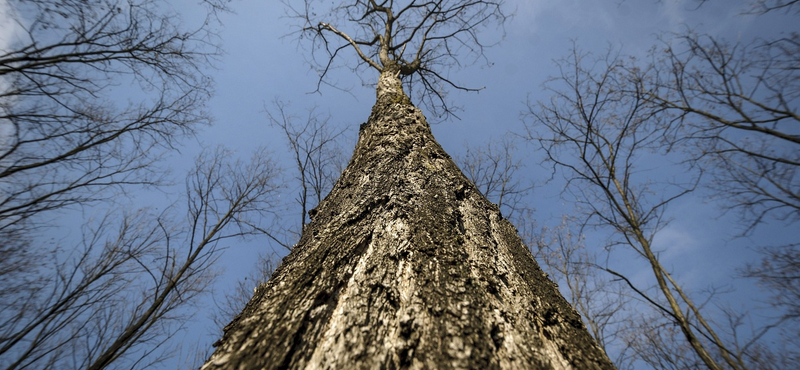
[(736, 105), (778, 272), (596, 129), (235, 301), (601, 301), (119, 295), (658, 343), (64, 142), (495, 171), (316, 154), (416, 40)]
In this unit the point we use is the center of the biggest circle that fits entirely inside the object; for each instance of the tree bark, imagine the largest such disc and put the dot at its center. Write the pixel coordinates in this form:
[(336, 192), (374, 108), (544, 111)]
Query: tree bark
[(406, 266)]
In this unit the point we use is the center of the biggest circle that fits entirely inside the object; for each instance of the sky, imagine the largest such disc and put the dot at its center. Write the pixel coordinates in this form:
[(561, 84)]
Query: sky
[(264, 62)]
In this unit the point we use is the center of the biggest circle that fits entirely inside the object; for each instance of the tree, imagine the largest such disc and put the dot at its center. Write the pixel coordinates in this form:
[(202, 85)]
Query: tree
[(734, 112), (778, 273), (116, 295), (600, 300), (736, 104), (598, 131), (64, 144), (405, 264), (316, 156), (416, 40), (734, 107), (729, 108), (494, 169), (595, 129)]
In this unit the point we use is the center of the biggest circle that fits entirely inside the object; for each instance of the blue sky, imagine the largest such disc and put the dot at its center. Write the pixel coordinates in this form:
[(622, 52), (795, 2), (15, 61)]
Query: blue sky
[(263, 62)]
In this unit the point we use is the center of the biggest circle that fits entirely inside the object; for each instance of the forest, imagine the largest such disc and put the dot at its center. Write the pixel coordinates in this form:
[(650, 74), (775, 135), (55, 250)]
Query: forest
[(158, 159)]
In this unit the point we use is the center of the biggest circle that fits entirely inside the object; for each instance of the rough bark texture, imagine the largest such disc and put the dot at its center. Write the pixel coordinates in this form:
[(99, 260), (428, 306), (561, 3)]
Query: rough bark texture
[(405, 265)]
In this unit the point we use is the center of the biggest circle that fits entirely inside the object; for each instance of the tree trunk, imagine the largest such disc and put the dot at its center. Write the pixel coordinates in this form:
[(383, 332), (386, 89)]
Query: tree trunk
[(405, 265)]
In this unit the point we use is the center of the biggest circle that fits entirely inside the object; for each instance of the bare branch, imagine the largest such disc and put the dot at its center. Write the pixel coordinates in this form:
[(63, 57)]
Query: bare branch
[(595, 131), (765, 6), (736, 106), (353, 44), (440, 34), (495, 172), (122, 290), (317, 156), (63, 144)]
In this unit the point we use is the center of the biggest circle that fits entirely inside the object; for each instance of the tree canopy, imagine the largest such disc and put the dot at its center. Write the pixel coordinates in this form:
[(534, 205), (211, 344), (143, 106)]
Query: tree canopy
[(421, 41)]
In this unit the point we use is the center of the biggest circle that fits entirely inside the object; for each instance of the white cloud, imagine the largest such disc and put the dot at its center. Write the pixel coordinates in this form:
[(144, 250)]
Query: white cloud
[(675, 242), (715, 18), (9, 31), (542, 15), (673, 11), (9, 28)]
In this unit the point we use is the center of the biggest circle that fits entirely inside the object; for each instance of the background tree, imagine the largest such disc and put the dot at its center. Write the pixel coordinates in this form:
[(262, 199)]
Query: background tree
[(65, 141), (495, 169), (596, 131), (317, 159), (726, 110), (118, 296), (316, 155), (734, 108), (69, 150), (419, 41)]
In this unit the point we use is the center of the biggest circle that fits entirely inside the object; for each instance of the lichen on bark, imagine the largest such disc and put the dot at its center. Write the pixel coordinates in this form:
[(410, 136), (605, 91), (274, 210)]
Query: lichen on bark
[(405, 265)]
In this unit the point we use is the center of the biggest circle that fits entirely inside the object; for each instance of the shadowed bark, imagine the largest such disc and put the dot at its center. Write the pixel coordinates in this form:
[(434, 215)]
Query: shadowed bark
[(406, 265)]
